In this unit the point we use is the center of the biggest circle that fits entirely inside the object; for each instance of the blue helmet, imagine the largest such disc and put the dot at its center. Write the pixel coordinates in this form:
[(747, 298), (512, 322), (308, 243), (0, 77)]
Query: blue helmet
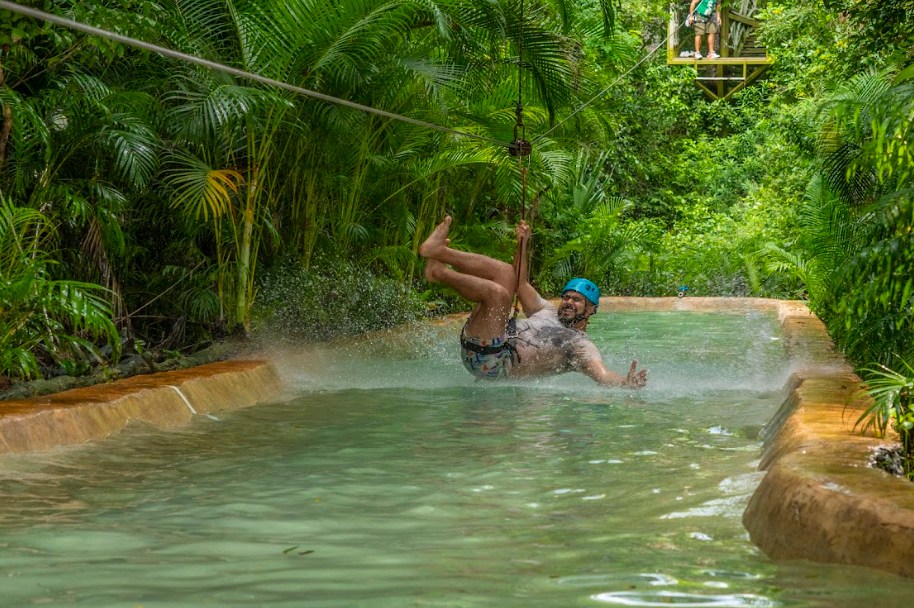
[(586, 288)]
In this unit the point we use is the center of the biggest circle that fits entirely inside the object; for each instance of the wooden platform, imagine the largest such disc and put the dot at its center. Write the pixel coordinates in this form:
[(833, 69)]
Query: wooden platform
[(739, 61), (742, 60)]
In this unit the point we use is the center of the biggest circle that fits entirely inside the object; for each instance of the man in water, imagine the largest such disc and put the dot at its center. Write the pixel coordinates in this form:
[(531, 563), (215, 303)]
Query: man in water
[(548, 341)]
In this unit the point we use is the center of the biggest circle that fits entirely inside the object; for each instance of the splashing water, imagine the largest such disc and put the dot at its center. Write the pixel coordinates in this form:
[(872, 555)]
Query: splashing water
[(389, 477)]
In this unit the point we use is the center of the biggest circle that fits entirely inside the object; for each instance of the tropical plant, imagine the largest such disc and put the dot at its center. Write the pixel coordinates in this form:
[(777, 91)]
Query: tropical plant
[(892, 395), (832, 233), (868, 166), (79, 150), (44, 321), (878, 28), (221, 132), (602, 243)]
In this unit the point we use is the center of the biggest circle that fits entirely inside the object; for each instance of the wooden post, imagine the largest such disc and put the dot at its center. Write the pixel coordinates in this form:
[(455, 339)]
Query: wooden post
[(724, 34), (672, 43)]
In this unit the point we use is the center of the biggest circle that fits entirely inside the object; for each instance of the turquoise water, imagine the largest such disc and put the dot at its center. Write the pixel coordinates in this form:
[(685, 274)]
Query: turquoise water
[(390, 478)]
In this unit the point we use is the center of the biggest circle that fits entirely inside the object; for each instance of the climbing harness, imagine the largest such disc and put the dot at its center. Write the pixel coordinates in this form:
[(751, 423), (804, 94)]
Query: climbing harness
[(509, 344)]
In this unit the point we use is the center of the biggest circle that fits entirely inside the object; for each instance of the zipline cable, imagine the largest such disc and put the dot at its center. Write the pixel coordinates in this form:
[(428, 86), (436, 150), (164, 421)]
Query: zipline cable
[(614, 83), (520, 148), (166, 52), (146, 46)]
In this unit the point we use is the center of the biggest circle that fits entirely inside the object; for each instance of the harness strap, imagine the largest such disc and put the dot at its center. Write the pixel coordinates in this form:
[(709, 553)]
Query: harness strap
[(508, 344)]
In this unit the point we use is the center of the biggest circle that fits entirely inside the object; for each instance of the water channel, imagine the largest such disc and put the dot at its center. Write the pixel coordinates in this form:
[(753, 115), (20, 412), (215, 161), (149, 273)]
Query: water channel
[(389, 478)]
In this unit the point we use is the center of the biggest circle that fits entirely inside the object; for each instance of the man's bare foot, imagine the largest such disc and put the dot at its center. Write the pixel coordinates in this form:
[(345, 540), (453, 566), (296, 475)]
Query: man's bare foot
[(433, 270), (437, 240)]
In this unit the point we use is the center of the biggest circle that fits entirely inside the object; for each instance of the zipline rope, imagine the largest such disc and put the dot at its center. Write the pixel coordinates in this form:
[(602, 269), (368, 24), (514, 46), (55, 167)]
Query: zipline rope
[(520, 62), (140, 44), (520, 146), (611, 85), (146, 46)]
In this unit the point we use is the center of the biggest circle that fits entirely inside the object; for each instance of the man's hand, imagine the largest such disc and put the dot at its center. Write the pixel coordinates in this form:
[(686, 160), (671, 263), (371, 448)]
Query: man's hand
[(635, 378), (596, 370), (522, 230), (689, 20)]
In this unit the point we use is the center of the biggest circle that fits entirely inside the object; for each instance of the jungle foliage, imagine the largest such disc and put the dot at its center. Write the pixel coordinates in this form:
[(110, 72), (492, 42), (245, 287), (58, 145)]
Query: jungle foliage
[(173, 204)]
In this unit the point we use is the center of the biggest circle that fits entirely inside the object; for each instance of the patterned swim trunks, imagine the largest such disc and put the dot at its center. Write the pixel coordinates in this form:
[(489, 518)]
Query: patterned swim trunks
[(489, 359)]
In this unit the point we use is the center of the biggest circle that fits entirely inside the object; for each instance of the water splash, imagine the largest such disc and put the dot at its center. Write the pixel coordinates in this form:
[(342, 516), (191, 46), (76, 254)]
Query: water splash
[(686, 354), (183, 398)]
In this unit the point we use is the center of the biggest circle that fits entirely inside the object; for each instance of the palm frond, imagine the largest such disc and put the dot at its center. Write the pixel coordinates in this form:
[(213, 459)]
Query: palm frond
[(201, 190), (134, 148)]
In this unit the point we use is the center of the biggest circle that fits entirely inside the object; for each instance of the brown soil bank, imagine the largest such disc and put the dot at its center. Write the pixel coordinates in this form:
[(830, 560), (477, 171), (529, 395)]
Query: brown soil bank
[(819, 499)]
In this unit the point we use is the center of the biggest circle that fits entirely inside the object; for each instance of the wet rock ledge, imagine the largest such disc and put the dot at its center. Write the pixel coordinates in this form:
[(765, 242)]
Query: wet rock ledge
[(165, 400), (820, 499)]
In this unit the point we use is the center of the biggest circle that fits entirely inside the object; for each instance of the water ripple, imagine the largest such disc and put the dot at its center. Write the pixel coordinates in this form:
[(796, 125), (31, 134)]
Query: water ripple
[(692, 600)]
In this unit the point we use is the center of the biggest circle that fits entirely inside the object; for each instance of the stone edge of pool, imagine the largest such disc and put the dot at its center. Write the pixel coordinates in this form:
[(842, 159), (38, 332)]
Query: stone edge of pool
[(818, 500), (165, 400)]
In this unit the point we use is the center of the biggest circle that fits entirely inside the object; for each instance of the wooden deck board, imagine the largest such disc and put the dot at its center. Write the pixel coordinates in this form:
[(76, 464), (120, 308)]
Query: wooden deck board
[(721, 61)]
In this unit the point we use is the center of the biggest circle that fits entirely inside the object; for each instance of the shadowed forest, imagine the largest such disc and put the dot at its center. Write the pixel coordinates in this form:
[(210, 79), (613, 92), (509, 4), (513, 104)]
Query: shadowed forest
[(154, 205)]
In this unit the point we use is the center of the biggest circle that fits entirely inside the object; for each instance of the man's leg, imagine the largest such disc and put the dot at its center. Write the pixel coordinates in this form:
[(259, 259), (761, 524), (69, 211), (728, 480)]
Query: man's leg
[(477, 278), (482, 266)]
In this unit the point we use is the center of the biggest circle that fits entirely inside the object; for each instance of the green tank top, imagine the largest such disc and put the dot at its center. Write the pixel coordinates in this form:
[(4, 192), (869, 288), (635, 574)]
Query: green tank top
[(706, 8)]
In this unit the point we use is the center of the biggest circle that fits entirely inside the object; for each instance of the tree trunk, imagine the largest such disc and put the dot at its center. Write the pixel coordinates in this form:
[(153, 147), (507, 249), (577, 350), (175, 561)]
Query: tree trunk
[(7, 120), (242, 305)]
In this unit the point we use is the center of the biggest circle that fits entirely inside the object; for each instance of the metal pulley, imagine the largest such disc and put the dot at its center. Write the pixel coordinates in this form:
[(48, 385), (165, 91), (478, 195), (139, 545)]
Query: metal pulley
[(520, 146)]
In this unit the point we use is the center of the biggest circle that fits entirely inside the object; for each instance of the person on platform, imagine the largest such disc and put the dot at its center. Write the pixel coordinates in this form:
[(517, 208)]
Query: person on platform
[(704, 16)]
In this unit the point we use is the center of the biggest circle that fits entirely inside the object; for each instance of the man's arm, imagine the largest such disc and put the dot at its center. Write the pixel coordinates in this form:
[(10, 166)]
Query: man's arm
[(596, 370), (691, 16), (530, 299)]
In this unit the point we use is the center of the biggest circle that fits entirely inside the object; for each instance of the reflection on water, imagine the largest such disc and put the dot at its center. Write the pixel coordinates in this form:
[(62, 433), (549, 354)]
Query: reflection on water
[(673, 598), (391, 478)]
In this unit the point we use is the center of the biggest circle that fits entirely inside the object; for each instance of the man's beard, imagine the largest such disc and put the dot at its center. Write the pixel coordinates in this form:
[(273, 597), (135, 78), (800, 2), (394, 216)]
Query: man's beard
[(577, 318)]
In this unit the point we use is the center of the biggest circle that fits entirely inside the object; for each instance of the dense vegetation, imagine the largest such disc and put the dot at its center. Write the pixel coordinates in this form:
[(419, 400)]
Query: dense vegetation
[(151, 203)]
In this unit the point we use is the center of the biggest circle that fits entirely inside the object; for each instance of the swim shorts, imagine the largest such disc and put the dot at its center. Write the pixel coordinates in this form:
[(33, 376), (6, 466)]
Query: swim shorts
[(489, 359), (706, 25)]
